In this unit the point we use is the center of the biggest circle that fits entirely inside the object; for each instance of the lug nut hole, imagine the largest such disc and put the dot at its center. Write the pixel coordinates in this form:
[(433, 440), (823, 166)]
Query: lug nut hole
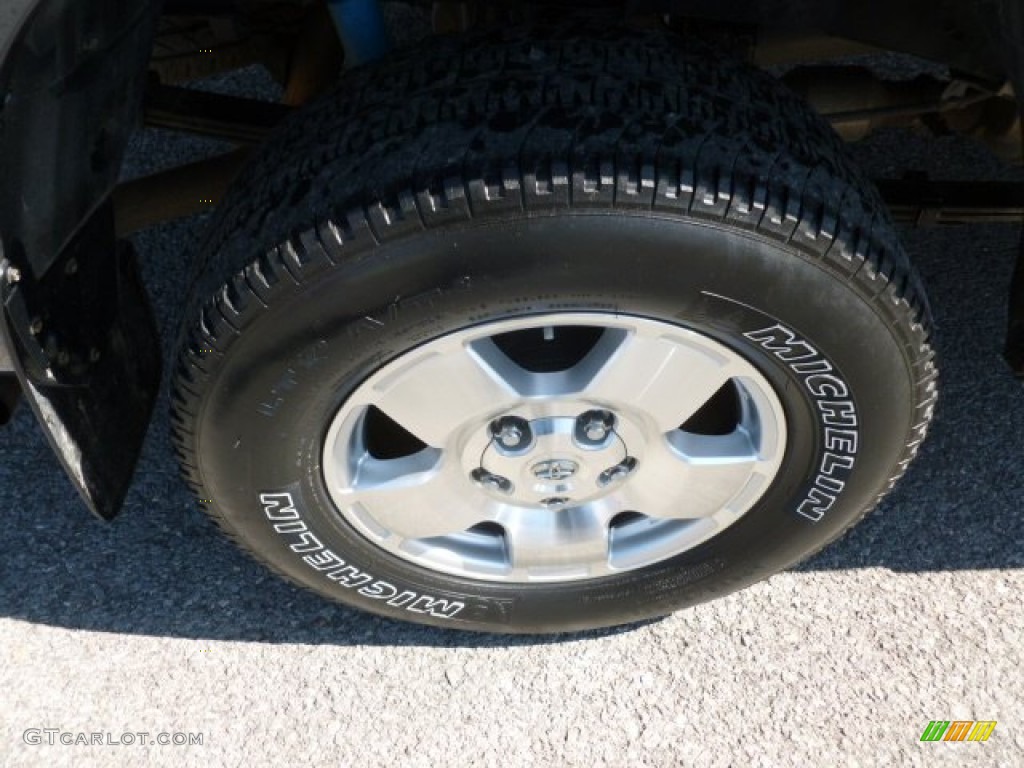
[(617, 473), (511, 433), (554, 502), (490, 481), (593, 428)]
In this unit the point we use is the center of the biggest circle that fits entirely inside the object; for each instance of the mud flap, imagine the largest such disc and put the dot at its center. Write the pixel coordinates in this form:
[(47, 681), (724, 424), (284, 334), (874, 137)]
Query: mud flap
[(1014, 351), (87, 354)]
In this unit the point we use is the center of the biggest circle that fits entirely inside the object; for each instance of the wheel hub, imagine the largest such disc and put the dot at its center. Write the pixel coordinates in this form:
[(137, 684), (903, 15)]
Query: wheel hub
[(552, 462)]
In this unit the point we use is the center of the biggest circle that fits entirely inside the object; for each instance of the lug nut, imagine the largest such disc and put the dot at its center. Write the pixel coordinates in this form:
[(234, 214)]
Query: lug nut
[(593, 427), (617, 473), (491, 481), (555, 501), (511, 433)]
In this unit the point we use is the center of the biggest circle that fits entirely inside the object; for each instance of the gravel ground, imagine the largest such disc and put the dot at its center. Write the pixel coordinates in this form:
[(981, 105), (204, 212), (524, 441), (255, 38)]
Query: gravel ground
[(155, 624)]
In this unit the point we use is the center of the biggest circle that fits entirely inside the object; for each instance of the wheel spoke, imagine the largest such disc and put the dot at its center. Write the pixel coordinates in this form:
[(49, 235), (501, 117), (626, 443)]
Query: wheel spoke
[(555, 541), (438, 391), (667, 377), (417, 504), (690, 476)]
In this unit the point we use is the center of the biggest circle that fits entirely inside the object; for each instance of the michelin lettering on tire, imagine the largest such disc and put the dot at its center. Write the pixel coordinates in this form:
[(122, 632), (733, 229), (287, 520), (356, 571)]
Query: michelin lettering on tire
[(831, 394), (280, 510)]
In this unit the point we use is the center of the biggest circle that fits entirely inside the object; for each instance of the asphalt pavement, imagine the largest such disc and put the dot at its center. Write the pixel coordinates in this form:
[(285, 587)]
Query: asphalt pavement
[(154, 624)]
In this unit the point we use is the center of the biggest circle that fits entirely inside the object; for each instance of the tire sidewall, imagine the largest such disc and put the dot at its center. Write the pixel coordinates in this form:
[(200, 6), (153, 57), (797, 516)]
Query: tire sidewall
[(261, 430)]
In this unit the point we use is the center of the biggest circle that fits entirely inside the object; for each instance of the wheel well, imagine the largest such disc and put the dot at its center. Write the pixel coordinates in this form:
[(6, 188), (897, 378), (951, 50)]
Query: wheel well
[(79, 75)]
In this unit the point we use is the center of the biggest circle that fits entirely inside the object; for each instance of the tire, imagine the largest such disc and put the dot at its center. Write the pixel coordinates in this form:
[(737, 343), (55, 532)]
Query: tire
[(557, 198)]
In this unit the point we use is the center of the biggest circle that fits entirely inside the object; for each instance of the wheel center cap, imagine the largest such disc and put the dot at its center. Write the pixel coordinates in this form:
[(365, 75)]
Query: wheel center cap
[(554, 469)]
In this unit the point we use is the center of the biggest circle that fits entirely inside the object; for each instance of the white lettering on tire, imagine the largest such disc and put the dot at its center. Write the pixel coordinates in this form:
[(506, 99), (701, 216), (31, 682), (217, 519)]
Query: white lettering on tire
[(835, 405), (280, 510)]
